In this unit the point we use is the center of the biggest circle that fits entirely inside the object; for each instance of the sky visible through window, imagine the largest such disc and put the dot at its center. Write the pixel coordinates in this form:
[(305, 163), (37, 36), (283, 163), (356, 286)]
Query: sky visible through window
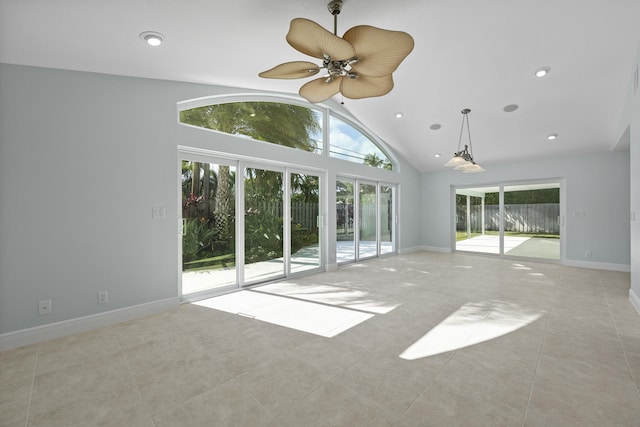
[(348, 143)]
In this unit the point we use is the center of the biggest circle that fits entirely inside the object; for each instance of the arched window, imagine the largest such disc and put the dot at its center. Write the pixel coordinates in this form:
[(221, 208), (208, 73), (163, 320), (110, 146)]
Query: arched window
[(278, 123), (348, 143), (289, 125)]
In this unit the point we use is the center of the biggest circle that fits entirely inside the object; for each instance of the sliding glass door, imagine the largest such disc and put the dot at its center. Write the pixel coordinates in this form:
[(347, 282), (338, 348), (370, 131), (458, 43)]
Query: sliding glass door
[(304, 208), (208, 226), (365, 225), (263, 224), (531, 220), (246, 224), (345, 220), (387, 219), (517, 220), (367, 221), (477, 221)]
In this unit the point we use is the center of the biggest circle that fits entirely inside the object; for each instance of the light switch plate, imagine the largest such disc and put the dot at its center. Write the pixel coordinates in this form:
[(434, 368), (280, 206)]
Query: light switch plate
[(158, 213)]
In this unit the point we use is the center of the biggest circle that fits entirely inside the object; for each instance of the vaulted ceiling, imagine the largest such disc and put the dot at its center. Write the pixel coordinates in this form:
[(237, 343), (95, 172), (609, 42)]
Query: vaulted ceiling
[(480, 55)]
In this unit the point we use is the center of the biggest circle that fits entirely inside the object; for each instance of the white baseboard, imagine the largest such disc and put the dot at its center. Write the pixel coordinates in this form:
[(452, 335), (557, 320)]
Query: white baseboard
[(413, 249), (635, 300), (625, 268), (436, 249), (37, 334)]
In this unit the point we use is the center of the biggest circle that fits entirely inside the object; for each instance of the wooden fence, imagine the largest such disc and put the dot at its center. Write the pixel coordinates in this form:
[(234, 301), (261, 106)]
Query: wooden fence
[(539, 218), (305, 214)]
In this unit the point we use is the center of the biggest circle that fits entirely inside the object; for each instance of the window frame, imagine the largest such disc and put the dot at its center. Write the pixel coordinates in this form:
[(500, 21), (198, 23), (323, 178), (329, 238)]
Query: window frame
[(324, 109)]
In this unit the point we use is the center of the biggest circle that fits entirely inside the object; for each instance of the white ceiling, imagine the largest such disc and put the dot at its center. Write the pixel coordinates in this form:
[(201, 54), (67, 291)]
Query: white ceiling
[(480, 55)]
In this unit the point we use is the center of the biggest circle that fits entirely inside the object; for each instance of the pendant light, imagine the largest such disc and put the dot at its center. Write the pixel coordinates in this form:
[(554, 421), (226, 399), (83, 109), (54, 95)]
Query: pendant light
[(463, 159)]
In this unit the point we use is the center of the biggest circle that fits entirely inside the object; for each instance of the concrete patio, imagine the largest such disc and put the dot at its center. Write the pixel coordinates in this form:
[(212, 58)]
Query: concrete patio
[(534, 247)]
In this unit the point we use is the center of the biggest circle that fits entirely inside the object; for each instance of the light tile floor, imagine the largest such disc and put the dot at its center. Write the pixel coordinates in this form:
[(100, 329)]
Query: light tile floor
[(554, 346)]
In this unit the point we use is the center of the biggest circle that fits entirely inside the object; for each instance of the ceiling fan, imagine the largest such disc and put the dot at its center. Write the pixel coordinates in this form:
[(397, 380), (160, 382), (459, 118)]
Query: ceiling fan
[(358, 64)]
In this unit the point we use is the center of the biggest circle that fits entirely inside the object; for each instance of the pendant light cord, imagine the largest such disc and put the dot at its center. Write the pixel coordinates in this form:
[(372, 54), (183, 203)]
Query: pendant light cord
[(461, 130), (469, 132)]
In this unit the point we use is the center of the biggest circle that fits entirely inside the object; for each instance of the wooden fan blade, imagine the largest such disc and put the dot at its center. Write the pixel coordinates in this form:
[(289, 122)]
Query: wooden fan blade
[(311, 39), (319, 90), (291, 70), (379, 51), (366, 86)]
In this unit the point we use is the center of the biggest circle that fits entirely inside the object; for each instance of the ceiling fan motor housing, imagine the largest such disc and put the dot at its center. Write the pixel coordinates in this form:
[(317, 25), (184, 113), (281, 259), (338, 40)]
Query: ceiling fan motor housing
[(335, 7), (339, 68)]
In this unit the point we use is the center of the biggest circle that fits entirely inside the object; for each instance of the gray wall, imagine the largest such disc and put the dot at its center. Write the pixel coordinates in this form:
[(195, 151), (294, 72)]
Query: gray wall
[(630, 122), (83, 160), (635, 189), (596, 184)]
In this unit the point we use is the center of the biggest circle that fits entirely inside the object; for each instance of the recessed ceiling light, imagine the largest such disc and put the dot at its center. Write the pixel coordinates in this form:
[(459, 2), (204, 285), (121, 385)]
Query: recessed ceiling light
[(399, 115), (542, 71), (152, 38), (435, 126), (552, 136), (436, 155), (510, 108)]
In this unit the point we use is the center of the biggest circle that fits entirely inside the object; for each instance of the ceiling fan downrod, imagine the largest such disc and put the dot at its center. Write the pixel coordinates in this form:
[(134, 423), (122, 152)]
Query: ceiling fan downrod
[(335, 6), (338, 68)]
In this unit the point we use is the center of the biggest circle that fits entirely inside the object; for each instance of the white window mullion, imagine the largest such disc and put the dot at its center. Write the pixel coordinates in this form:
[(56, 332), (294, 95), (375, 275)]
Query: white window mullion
[(240, 171), (286, 226), (378, 219), (501, 216), (356, 220), (326, 132)]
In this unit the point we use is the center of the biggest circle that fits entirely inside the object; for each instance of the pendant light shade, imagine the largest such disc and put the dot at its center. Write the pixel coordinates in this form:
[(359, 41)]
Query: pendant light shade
[(456, 161), (462, 160), (473, 168)]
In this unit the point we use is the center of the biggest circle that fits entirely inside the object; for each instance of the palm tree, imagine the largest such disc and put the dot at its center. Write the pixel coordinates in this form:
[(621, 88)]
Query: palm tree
[(373, 159), (283, 124), (222, 205)]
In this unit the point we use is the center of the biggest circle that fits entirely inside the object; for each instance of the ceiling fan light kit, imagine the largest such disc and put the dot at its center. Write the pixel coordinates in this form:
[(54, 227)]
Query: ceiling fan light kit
[(462, 160), (357, 65)]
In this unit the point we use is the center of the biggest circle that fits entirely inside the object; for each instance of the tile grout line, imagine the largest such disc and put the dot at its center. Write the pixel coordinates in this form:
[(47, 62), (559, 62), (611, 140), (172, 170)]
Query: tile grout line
[(33, 385), (255, 399), (535, 373), (444, 365), (317, 387), (233, 378), (453, 353), (135, 380), (624, 352)]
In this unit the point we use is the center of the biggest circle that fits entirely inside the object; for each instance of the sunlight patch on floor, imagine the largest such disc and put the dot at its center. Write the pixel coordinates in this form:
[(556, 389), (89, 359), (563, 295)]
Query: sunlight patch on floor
[(471, 324), (303, 316), (489, 244), (356, 299)]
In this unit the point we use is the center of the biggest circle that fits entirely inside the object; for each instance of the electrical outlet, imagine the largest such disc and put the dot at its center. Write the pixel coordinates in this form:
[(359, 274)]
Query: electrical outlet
[(158, 213), (44, 307), (588, 254), (103, 297)]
